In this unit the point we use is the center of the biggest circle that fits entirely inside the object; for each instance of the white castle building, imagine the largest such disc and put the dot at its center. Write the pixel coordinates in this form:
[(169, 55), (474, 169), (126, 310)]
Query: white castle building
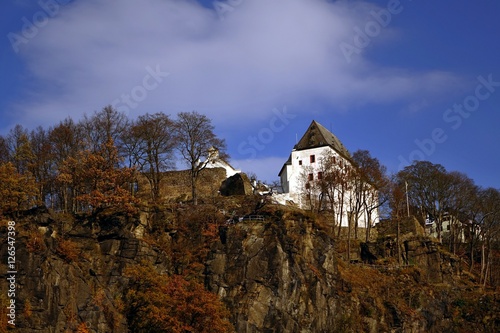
[(316, 176)]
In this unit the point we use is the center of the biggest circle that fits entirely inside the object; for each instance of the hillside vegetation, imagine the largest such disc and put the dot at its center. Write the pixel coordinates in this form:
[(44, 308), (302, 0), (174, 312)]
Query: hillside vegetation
[(181, 268), (100, 234)]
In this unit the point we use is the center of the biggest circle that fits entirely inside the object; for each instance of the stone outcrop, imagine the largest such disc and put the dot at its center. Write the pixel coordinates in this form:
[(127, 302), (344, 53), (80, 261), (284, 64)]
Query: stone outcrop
[(238, 184), (276, 277), (407, 226), (415, 249)]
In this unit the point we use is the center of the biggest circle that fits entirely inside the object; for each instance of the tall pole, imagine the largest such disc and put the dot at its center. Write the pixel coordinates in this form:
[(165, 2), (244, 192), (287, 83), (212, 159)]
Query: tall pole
[(407, 201)]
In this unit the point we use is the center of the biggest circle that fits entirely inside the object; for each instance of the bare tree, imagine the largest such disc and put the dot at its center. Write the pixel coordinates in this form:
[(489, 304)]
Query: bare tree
[(460, 207), (102, 127), (150, 144), (20, 151), (428, 187), (43, 164), (4, 150), (66, 141), (194, 134), (374, 185), (490, 231), (311, 189), (398, 205), (335, 184), (355, 200)]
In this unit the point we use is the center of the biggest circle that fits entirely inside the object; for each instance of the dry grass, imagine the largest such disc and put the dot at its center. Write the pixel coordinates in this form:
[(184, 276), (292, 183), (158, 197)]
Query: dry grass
[(360, 276)]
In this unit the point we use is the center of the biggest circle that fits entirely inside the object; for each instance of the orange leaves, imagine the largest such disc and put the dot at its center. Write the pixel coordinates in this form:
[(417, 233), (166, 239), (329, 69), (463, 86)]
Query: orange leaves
[(34, 242), (68, 250), (17, 191), (161, 303), (211, 231), (82, 328), (97, 181), (197, 229)]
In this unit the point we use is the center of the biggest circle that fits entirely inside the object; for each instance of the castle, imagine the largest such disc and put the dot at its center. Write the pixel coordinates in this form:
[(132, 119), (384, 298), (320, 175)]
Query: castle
[(317, 175)]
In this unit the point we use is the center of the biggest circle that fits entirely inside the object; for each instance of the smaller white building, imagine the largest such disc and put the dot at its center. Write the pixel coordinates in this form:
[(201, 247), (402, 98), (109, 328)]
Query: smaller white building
[(214, 161), (450, 226)]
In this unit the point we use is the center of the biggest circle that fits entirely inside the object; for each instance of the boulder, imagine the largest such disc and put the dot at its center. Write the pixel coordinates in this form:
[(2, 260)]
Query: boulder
[(238, 184)]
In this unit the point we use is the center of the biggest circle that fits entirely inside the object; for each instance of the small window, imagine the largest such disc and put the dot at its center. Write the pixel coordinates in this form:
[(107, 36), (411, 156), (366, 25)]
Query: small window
[(300, 162), (310, 177), (320, 175), (312, 158)]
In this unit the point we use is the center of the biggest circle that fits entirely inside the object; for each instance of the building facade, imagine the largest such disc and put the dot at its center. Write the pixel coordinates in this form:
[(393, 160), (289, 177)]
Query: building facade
[(214, 161), (318, 176)]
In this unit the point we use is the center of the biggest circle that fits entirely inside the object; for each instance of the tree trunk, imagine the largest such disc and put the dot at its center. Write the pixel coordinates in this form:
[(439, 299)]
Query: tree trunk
[(194, 193), (487, 270), (356, 226), (368, 225), (471, 256), (341, 212), (439, 224), (397, 241), (483, 263), (349, 237)]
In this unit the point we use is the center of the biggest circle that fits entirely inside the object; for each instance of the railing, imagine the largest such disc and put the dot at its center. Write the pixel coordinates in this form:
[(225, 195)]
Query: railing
[(388, 267), (251, 218)]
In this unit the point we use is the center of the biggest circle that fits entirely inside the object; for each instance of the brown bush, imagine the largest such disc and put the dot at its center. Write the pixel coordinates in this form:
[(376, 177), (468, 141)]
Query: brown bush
[(68, 250), (161, 303), (82, 328), (35, 242)]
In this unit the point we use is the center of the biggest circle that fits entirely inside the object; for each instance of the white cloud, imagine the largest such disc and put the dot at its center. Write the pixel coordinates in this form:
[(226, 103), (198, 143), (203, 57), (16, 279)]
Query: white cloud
[(263, 54)]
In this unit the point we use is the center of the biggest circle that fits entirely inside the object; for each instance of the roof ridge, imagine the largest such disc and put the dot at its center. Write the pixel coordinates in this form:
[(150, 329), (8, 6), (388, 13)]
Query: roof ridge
[(318, 135)]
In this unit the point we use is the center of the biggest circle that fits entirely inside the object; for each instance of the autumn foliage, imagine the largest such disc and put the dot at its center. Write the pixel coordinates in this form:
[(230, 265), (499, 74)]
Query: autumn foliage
[(96, 180), (162, 303), (196, 232), (17, 191)]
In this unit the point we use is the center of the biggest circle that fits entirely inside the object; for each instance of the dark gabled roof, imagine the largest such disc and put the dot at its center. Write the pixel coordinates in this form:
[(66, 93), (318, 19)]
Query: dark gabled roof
[(318, 136)]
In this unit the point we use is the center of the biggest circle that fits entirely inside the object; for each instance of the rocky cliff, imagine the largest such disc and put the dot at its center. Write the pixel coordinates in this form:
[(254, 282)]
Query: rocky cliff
[(286, 276), (280, 272), (71, 273)]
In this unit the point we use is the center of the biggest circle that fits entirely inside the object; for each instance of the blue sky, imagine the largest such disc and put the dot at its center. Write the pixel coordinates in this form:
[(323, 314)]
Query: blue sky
[(403, 79)]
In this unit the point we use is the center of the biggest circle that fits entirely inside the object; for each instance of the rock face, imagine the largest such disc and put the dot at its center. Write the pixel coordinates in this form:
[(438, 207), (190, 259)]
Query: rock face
[(415, 249), (75, 278), (282, 274), (238, 184), (286, 277), (276, 277)]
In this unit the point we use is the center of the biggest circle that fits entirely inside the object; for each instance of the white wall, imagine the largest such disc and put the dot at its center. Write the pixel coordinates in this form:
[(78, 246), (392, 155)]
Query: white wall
[(292, 179), (295, 178)]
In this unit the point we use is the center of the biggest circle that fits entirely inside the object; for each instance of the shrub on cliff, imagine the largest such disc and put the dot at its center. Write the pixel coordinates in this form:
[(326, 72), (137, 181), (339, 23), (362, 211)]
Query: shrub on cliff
[(161, 303)]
